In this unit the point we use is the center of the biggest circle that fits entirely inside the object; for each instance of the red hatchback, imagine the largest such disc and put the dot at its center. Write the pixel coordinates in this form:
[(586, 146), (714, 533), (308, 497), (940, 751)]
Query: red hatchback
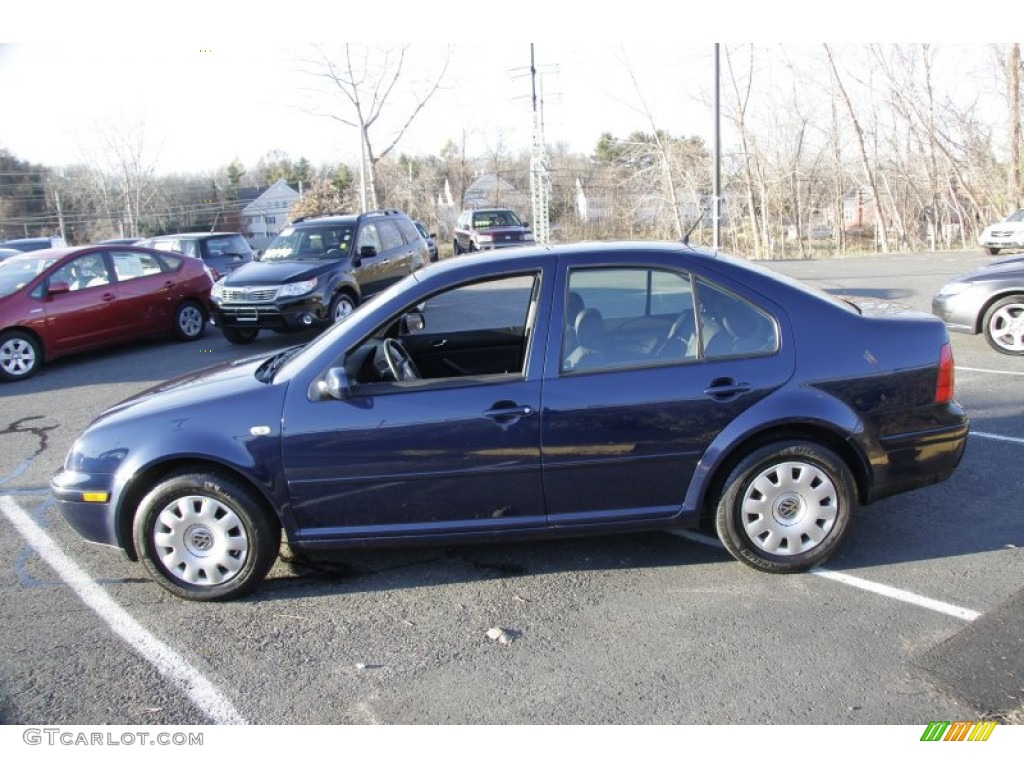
[(61, 301)]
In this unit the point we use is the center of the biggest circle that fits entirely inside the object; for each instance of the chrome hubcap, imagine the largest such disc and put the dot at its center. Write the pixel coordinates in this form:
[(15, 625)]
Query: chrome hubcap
[(190, 321), (789, 508), (200, 540), (17, 357), (1007, 327), (343, 309)]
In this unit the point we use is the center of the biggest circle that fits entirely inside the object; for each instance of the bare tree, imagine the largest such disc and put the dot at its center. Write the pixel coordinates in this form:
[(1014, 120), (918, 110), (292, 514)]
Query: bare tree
[(366, 79)]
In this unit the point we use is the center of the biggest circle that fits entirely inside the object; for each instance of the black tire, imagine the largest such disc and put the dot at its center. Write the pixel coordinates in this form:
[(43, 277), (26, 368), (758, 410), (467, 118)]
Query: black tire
[(189, 321), (993, 251), (455, 247), (205, 537), (20, 356), (1003, 325), (342, 305), (240, 335), (786, 507)]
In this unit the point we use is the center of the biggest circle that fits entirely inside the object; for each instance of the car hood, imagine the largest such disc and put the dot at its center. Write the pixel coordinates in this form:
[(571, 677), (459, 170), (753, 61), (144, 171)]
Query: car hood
[(1005, 226), (191, 390), (277, 272), (1011, 269)]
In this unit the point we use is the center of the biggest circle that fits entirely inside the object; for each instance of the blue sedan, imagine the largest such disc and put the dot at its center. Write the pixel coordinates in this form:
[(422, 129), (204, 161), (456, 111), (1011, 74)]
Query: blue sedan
[(589, 388)]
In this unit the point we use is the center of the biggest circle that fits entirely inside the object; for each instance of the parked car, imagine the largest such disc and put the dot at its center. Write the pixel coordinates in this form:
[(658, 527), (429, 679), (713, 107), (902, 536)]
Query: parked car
[(121, 241), (485, 229), (8, 252), (25, 244), (989, 301), (1004, 236), (581, 389), (431, 239), (316, 271), (62, 301), (223, 252)]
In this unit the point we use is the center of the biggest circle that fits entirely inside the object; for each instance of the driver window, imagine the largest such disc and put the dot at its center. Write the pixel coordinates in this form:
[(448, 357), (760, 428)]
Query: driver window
[(84, 272), (475, 330), (368, 236)]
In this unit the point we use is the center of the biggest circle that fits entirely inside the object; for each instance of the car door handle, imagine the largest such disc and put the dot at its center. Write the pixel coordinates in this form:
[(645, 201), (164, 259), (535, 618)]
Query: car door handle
[(108, 296), (507, 412), (726, 389)]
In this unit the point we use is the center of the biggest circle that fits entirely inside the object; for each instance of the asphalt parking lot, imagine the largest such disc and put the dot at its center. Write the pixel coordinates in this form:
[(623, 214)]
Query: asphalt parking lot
[(919, 618)]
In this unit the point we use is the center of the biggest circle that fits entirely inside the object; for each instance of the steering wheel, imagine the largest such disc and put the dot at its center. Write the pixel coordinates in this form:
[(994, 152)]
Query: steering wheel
[(400, 364)]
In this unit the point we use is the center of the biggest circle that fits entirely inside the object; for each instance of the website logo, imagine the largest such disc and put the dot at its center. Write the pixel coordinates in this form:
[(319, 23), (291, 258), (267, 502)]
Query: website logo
[(959, 730)]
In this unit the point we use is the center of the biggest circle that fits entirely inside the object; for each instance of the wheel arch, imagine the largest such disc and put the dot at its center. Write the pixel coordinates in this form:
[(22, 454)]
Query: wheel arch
[(979, 321), (35, 337), (804, 431), (142, 482)]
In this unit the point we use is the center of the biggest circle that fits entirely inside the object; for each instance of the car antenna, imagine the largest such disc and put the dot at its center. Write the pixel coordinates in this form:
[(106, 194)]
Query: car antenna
[(703, 211)]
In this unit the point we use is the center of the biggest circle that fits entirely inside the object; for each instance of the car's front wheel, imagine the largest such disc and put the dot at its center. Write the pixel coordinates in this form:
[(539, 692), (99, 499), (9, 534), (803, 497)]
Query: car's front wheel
[(240, 335), (343, 305), (456, 248), (786, 507), (20, 356), (1004, 325), (993, 251), (205, 537), (189, 322)]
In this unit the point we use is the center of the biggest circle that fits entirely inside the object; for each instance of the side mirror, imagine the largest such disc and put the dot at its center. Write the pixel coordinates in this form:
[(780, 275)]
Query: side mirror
[(367, 252), (414, 322), (336, 384), (58, 288)]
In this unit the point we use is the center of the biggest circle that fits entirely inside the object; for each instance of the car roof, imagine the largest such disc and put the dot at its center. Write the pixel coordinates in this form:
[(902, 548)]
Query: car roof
[(193, 235)]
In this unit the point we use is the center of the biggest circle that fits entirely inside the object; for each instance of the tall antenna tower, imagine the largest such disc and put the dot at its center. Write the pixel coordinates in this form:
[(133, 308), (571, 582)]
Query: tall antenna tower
[(540, 168)]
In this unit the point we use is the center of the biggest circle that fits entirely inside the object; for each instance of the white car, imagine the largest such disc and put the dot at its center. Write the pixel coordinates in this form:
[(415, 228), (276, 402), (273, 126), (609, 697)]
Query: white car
[(1006, 235)]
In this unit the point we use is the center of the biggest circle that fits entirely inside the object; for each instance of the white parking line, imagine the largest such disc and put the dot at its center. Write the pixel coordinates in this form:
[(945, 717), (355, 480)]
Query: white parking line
[(166, 661), (853, 581), (1004, 438)]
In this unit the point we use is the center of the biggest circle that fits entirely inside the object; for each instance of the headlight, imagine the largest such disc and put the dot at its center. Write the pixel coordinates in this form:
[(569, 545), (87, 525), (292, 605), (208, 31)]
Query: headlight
[(527, 237), (952, 289), (217, 292), (297, 289)]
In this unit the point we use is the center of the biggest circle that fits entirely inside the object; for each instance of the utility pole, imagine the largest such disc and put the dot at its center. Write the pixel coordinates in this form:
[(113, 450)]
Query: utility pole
[(716, 209), (540, 168), (1013, 83)]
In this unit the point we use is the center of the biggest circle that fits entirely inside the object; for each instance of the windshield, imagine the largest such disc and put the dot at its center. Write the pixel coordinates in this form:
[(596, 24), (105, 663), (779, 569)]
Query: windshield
[(18, 271), (488, 219), (329, 241), (1018, 216)]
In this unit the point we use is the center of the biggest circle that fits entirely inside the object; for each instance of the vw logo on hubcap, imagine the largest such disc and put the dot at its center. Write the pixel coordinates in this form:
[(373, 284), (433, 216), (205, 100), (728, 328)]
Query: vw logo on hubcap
[(200, 539), (788, 508)]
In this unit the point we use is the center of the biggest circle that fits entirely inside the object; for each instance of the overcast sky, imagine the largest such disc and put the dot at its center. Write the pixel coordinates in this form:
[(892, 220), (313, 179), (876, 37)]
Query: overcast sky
[(77, 78), (198, 108)]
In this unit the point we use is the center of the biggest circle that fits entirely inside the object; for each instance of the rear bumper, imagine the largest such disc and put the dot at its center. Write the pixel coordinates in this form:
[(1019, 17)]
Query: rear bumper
[(918, 459)]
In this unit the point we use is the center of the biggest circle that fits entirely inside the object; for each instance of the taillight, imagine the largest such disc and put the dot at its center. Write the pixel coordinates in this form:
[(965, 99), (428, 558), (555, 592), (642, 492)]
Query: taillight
[(944, 385)]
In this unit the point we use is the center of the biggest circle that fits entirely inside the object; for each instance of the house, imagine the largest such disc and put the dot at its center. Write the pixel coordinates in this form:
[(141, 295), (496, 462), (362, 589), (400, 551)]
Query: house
[(267, 215)]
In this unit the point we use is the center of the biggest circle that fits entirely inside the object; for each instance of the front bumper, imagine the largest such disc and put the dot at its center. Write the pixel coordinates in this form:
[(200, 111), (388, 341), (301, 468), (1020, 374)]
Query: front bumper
[(959, 311), (305, 312), (85, 501)]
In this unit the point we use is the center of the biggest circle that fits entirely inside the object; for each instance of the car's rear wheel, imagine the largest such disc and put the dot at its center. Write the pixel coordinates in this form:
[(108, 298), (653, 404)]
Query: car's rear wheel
[(786, 507), (189, 321), (343, 305), (241, 335), (205, 537), (1004, 325), (20, 356)]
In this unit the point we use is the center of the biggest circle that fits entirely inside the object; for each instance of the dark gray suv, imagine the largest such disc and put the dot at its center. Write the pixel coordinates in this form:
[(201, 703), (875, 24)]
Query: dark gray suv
[(316, 271), (222, 252)]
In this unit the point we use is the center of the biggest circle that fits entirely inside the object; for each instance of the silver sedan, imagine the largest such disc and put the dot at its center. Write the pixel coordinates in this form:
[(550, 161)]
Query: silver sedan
[(990, 301)]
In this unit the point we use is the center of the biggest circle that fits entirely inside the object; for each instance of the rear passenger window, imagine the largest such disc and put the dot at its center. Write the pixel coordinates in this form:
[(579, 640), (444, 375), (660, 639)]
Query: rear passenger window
[(624, 318), (130, 265), (731, 326)]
